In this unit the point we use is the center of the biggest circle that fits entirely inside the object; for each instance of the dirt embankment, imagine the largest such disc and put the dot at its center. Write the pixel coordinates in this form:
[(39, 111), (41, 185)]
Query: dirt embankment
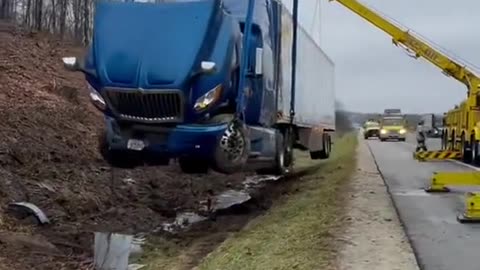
[(48, 156)]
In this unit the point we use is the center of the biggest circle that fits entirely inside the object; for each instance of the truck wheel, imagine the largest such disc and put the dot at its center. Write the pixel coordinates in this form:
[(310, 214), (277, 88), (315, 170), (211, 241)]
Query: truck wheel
[(232, 151), (325, 152), (283, 156), (466, 154), (117, 158), (193, 165), (475, 157)]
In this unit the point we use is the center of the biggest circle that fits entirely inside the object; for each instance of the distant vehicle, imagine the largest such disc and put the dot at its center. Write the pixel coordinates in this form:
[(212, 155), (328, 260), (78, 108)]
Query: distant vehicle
[(433, 125), (393, 127), (392, 112), (371, 128)]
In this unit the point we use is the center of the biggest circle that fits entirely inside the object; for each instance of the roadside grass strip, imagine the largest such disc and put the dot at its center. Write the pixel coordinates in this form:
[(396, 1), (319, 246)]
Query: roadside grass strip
[(298, 231)]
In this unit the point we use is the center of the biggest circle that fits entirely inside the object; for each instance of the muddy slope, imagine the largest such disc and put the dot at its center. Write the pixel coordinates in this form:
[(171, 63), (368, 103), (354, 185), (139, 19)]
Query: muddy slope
[(48, 156)]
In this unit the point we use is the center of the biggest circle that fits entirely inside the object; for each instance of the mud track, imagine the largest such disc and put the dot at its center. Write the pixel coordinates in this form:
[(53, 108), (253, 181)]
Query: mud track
[(203, 237)]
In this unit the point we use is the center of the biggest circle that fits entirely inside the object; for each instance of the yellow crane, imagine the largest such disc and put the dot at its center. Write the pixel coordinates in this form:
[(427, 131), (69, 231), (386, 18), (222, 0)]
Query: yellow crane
[(461, 131)]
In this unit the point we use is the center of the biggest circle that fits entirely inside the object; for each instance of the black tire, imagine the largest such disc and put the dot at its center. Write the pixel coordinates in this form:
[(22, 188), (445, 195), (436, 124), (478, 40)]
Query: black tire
[(452, 142), (284, 154), (289, 141), (474, 151), (383, 140), (402, 139), (466, 154), (325, 152), (444, 141), (193, 165), (117, 158), (222, 161)]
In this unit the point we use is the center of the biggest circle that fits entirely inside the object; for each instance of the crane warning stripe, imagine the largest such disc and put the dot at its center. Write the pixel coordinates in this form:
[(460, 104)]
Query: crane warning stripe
[(438, 155)]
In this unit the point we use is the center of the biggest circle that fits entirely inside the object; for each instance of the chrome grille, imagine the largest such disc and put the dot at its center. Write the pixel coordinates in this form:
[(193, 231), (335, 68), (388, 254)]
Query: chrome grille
[(151, 106)]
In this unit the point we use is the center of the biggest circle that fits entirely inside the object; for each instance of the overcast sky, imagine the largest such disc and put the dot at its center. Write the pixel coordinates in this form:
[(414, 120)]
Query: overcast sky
[(372, 74)]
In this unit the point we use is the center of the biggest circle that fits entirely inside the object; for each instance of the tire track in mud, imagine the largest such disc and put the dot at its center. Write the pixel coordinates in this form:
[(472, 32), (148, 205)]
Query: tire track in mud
[(207, 231)]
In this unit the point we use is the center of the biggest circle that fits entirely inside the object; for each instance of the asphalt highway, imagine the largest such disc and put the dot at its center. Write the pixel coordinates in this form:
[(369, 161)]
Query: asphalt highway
[(440, 242)]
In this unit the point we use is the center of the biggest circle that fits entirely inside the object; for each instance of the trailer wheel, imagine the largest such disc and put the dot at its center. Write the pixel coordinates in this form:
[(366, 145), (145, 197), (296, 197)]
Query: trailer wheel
[(283, 156), (193, 165), (325, 152), (288, 136), (117, 158), (232, 151)]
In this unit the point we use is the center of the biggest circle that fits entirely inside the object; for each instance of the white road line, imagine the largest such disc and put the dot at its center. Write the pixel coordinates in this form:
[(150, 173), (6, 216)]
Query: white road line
[(464, 164)]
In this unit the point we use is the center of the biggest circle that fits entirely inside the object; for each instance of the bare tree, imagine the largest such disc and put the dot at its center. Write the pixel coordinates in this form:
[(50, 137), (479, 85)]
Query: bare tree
[(65, 18)]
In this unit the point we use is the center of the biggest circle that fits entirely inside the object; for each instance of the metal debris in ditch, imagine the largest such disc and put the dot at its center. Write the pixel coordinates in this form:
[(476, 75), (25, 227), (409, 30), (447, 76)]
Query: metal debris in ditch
[(230, 198), (135, 266), (137, 243), (182, 221), (29, 209), (223, 201), (258, 179), (113, 250)]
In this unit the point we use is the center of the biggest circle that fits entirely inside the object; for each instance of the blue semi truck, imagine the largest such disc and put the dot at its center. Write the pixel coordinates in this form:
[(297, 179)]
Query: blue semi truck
[(210, 83)]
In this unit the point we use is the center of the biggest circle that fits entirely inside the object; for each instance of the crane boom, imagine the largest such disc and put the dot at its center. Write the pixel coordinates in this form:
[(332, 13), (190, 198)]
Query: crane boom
[(462, 123), (419, 48)]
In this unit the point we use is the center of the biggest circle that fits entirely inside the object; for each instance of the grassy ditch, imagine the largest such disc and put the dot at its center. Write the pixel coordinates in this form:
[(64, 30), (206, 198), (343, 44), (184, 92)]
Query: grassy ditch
[(294, 232), (297, 233)]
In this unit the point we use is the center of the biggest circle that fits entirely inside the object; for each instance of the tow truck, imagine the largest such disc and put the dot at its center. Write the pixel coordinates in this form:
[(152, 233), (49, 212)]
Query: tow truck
[(462, 123), (461, 132), (393, 127), (371, 128)]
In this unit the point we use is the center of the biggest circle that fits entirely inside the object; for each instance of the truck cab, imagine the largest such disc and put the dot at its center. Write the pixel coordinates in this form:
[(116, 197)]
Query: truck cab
[(201, 82), (393, 127), (371, 128)]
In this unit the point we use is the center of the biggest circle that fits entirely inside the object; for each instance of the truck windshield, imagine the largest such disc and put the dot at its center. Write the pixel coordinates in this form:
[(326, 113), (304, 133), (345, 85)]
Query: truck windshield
[(392, 122)]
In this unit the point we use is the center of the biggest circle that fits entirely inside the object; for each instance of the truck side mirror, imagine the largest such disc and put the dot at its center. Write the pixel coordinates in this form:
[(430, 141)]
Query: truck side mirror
[(71, 63), (259, 61), (208, 67)]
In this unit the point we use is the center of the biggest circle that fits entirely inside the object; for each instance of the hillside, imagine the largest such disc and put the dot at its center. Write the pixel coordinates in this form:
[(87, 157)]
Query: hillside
[(48, 157)]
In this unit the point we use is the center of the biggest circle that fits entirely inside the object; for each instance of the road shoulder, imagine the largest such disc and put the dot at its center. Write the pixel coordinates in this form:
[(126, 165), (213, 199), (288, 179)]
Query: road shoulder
[(374, 237)]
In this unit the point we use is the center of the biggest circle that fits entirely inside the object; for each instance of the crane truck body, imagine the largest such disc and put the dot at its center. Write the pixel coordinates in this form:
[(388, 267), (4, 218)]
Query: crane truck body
[(461, 130), (213, 84)]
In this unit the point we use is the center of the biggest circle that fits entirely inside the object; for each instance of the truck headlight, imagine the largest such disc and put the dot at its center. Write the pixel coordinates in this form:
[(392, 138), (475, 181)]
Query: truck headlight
[(383, 131), (208, 98), (403, 131), (97, 99)]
